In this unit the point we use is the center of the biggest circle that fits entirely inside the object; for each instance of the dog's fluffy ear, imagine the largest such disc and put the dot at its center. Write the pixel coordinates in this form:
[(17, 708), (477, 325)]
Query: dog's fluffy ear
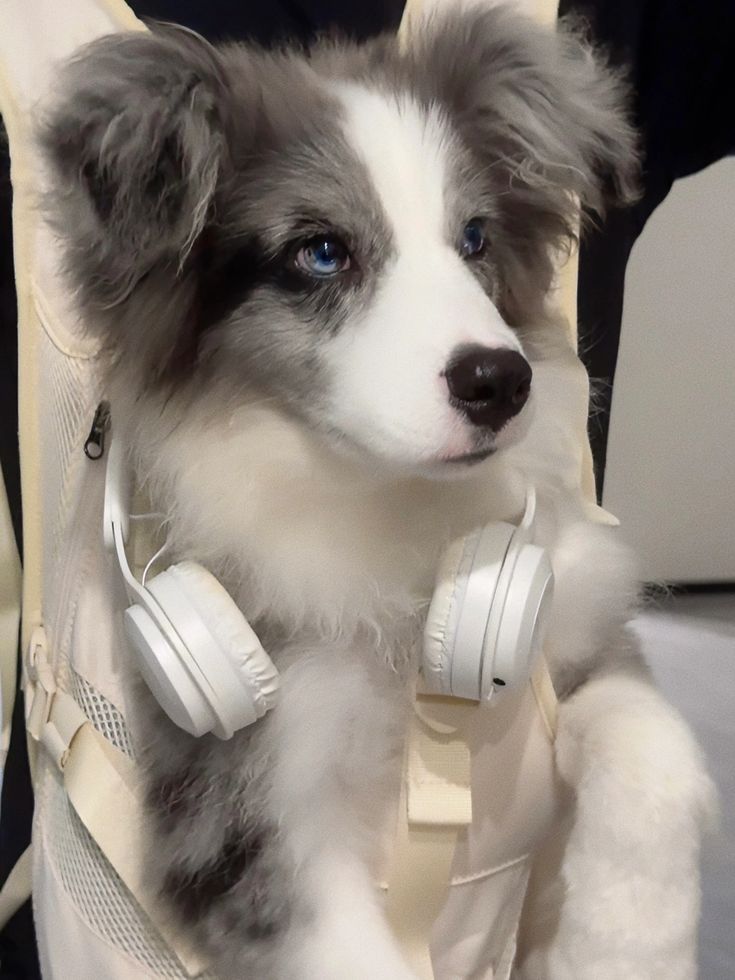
[(135, 145), (538, 105)]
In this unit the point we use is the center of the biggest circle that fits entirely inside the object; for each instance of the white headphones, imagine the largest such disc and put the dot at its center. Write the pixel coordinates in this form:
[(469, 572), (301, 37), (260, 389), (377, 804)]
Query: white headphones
[(207, 669), (195, 649), (486, 619)]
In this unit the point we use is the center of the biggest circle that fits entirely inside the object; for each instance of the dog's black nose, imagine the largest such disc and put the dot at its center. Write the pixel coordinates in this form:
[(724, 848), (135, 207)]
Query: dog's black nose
[(489, 385)]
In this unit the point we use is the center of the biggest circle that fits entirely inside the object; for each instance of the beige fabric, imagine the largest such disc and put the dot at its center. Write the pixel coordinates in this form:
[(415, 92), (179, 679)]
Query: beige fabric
[(439, 764), (99, 781), (435, 805), (423, 855), (515, 798), (546, 699), (460, 865)]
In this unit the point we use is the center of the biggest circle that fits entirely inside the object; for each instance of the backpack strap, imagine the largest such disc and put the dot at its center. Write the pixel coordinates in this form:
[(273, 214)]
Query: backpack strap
[(435, 806), (99, 780)]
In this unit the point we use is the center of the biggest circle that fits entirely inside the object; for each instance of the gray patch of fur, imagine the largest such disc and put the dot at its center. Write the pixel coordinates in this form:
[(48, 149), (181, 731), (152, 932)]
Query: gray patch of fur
[(136, 144), (215, 853), (183, 176)]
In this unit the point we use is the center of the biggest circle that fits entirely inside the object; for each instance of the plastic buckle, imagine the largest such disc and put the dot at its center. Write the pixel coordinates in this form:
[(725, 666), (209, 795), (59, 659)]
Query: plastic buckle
[(53, 717), (41, 686)]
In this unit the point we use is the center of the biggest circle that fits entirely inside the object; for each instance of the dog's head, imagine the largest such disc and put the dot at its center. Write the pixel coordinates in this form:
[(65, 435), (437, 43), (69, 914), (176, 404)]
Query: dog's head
[(362, 237)]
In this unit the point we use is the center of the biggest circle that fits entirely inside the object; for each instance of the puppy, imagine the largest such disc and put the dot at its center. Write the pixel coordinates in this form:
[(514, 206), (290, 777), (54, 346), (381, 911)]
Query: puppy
[(322, 281)]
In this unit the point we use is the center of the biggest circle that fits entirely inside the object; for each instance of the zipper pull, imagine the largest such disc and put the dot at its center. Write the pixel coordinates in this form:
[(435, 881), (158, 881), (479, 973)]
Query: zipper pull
[(94, 447)]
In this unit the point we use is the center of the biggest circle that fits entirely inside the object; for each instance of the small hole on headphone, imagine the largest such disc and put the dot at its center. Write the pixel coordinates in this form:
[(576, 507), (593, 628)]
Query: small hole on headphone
[(497, 681)]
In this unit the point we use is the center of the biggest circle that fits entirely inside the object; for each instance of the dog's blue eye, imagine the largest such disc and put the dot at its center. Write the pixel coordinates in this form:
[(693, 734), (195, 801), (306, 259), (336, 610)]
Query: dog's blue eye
[(323, 257), (473, 237)]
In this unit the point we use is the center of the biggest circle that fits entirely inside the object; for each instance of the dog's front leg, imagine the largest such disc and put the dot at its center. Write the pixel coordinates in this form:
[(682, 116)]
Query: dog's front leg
[(269, 842), (625, 901), (347, 938), (339, 730)]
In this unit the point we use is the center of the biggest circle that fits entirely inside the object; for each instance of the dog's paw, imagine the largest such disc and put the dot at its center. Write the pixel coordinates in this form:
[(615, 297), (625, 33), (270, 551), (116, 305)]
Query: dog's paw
[(640, 778), (560, 964), (358, 963), (360, 954), (629, 873)]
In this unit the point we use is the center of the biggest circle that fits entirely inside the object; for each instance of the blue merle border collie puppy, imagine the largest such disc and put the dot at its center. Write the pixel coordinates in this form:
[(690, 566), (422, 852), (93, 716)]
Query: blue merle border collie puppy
[(322, 279)]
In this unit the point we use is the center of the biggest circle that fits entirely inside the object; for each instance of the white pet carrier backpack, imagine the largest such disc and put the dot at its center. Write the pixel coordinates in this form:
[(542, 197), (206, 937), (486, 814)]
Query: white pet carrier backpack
[(479, 789)]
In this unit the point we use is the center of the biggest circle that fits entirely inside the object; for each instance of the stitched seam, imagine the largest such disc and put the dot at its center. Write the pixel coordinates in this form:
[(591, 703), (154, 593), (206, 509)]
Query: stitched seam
[(487, 872)]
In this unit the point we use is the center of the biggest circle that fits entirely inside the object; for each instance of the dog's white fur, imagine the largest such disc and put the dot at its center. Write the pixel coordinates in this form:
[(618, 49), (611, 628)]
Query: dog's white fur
[(332, 547), (410, 331)]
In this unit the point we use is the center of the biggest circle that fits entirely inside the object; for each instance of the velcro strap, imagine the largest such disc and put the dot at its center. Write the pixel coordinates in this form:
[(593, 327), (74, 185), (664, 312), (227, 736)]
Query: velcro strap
[(438, 791)]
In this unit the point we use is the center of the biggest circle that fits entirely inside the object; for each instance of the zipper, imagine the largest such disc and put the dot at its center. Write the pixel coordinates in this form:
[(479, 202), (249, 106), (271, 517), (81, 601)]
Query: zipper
[(78, 538), (94, 447)]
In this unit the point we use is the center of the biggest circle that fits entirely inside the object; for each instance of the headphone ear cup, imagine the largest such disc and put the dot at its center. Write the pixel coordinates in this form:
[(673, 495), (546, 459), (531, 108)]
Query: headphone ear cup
[(441, 621), (523, 612), (165, 671), (230, 669), (470, 654), (486, 612), (235, 635)]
